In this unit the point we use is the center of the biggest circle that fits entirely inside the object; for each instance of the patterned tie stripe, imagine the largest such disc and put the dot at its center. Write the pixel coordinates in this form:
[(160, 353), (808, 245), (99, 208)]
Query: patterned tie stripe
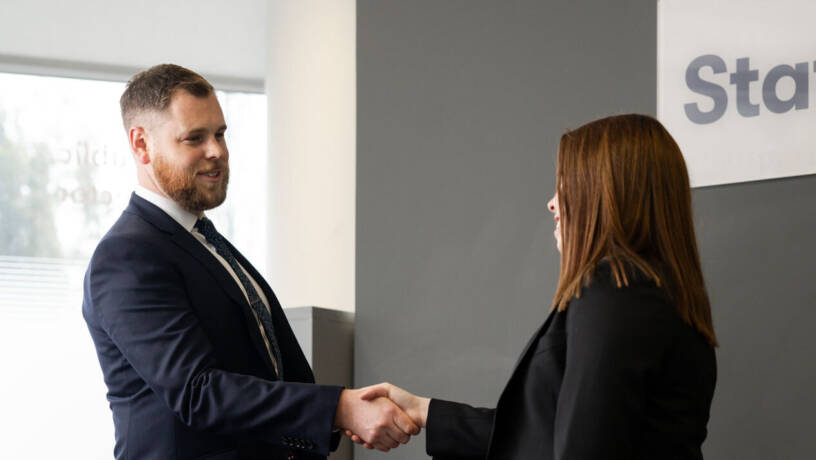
[(206, 228)]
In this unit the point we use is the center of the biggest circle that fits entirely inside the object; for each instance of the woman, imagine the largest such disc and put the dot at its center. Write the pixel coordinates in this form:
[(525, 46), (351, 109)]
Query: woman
[(624, 366)]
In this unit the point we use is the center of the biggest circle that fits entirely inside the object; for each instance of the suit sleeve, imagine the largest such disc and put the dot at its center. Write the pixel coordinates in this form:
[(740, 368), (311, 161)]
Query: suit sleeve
[(615, 339), (457, 431), (139, 300)]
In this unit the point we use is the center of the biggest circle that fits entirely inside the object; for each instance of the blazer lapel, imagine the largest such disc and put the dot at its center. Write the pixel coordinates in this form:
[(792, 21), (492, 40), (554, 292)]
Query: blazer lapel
[(296, 366), (188, 242), (182, 238), (541, 330), (230, 286)]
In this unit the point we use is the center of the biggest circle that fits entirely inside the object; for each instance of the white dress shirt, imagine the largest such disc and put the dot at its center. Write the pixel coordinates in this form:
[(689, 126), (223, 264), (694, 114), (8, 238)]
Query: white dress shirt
[(187, 220)]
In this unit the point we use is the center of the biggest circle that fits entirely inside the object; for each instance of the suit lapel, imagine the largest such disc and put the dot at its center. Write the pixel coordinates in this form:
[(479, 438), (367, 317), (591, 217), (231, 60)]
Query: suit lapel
[(230, 286), (182, 238), (188, 242), (540, 332), (290, 349)]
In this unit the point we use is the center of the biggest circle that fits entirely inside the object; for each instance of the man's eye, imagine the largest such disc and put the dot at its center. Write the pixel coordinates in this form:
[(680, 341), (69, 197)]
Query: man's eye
[(193, 139), (219, 135)]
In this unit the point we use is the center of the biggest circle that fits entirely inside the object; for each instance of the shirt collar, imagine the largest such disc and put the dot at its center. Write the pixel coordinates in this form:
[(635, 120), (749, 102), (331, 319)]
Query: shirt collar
[(184, 217)]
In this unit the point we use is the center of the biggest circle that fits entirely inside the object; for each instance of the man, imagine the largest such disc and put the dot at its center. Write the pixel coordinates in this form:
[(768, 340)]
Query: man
[(198, 357)]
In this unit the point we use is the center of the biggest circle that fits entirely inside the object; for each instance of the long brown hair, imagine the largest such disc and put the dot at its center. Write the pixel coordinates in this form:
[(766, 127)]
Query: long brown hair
[(624, 196)]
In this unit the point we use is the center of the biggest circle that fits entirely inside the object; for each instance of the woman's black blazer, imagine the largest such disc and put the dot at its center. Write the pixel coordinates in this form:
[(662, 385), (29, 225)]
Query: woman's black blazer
[(617, 375)]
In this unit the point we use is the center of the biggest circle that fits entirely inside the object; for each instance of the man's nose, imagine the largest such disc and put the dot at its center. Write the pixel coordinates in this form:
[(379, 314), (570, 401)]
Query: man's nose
[(216, 149)]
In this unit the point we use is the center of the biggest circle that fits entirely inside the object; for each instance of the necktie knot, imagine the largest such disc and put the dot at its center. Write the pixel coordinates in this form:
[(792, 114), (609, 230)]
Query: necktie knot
[(206, 228)]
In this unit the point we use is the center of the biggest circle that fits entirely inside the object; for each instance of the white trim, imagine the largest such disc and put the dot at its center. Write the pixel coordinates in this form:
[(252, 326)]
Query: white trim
[(93, 71)]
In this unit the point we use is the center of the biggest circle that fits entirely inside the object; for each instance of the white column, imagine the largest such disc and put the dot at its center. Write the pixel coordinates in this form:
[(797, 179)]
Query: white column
[(311, 91)]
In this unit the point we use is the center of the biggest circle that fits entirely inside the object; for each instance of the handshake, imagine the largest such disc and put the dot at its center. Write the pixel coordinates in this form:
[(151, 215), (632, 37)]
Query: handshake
[(381, 416)]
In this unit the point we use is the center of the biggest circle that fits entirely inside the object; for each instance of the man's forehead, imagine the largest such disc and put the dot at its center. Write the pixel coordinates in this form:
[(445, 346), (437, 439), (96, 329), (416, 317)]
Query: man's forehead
[(183, 101), (190, 111)]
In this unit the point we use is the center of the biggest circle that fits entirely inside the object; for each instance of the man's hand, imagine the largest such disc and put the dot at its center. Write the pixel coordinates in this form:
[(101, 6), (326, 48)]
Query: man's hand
[(414, 406), (375, 421)]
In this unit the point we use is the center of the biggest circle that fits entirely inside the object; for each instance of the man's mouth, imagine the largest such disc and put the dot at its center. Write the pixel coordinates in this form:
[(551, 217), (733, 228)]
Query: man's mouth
[(212, 174)]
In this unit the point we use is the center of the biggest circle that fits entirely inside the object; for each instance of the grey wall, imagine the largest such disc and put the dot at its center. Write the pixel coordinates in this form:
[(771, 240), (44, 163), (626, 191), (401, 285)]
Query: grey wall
[(758, 248), (460, 108)]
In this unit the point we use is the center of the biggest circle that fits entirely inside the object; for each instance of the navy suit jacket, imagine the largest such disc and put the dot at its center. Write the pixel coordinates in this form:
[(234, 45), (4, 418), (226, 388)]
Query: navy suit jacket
[(187, 371)]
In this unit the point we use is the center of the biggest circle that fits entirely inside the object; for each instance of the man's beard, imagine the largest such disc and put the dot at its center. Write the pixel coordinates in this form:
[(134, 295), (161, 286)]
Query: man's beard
[(180, 185)]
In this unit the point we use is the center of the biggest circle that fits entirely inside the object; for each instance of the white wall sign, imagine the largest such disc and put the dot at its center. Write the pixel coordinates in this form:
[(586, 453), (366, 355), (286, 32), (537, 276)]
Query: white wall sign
[(737, 87)]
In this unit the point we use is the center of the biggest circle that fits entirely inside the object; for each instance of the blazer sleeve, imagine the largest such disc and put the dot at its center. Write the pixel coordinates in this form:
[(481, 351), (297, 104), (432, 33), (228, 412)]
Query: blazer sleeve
[(139, 300), (456, 431), (615, 339)]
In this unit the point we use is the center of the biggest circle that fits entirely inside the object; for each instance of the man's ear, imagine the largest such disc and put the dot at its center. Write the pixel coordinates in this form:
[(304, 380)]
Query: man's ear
[(138, 144)]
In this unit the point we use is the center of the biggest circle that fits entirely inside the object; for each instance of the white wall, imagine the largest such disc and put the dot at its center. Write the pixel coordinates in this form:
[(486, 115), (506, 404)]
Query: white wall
[(302, 51), (214, 38), (311, 92)]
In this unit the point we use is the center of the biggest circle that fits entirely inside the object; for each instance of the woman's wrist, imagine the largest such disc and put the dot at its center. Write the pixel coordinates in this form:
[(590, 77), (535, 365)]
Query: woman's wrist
[(424, 405)]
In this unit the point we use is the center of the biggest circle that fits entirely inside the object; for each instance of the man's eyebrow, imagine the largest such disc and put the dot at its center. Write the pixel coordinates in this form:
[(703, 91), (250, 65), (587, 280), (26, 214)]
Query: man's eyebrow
[(202, 130)]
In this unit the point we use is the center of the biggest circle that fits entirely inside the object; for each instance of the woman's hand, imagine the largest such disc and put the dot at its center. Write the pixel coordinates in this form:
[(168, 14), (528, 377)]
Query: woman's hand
[(414, 406), (378, 420)]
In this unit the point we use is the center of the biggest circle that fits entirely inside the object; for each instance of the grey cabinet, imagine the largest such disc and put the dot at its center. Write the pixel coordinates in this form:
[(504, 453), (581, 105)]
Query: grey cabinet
[(327, 339)]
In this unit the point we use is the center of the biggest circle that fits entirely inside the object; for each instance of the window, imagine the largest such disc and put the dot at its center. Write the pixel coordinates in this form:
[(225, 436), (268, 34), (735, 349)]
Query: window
[(66, 173)]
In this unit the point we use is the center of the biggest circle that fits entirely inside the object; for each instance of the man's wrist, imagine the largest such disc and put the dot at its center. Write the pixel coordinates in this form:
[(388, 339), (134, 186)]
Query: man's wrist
[(341, 412)]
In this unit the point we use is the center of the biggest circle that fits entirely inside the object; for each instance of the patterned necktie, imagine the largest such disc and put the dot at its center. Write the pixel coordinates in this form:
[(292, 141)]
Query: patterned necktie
[(206, 228)]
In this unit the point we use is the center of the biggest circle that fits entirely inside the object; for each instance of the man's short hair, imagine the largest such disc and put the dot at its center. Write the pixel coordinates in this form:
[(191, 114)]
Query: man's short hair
[(152, 89)]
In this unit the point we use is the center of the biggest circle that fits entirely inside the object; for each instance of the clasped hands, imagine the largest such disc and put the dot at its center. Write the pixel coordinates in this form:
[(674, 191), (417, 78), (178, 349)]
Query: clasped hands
[(381, 416)]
